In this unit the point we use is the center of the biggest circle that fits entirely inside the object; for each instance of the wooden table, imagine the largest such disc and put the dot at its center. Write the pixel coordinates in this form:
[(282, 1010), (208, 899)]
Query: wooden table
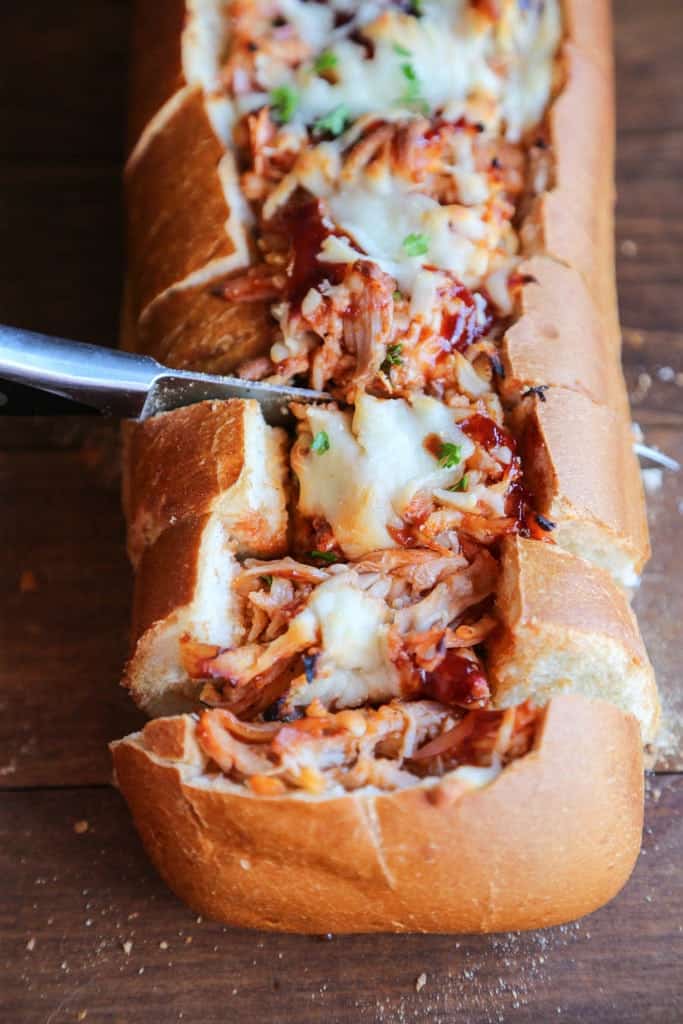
[(88, 932)]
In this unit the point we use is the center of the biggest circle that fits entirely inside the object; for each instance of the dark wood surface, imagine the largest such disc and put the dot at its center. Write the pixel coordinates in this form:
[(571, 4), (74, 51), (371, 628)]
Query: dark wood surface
[(78, 889)]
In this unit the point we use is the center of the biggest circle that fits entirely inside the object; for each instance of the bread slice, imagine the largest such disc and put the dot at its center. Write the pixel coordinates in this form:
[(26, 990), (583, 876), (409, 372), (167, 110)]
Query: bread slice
[(183, 588), (552, 838), (175, 45), (213, 458), (186, 218), (566, 627), (558, 338), (573, 222), (583, 474), (194, 329)]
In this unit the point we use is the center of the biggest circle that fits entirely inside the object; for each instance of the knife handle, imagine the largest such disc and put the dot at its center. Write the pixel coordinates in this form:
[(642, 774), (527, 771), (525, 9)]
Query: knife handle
[(112, 381)]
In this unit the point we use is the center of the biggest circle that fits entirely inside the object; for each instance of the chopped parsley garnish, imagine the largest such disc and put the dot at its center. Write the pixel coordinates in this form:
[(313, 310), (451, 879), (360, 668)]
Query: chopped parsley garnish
[(393, 357), (284, 100), (417, 8), (398, 295), (333, 123), (267, 581), (321, 442), (326, 61), (415, 244), (450, 454), (402, 51), (412, 97), (461, 484), (324, 556)]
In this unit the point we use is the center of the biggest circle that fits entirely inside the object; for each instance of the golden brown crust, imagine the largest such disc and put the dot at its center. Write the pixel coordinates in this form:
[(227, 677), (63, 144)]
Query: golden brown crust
[(167, 575), (193, 329), (573, 221), (558, 338), (588, 24), (178, 211), (580, 466), (548, 841), (567, 627), (156, 60), (212, 457)]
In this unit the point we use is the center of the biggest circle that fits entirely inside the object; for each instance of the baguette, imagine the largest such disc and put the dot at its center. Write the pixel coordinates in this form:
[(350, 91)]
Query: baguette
[(407, 624)]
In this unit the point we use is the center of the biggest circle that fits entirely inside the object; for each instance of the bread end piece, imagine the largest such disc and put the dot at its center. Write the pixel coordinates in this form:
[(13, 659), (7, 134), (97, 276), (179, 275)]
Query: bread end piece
[(553, 838), (566, 626)]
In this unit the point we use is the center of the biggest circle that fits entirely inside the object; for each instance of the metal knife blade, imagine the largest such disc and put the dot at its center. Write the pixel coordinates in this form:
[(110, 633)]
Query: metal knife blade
[(130, 385)]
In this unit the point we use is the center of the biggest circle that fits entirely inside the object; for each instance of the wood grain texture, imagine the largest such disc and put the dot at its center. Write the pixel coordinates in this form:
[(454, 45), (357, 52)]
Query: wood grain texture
[(82, 896), (78, 899)]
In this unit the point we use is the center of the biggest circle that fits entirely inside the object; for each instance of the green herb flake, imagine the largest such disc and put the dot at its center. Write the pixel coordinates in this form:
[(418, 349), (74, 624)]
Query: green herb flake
[(415, 244), (402, 51), (393, 357), (450, 455), (321, 442), (325, 61), (412, 96), (267, 581), (333, 123), (461, 485), (398, 295), (284, 100), (324, 556), (417, 8)]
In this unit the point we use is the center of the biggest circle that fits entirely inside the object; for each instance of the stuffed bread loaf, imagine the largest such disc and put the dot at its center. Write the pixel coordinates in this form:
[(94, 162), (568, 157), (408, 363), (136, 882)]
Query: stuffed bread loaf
[(396, 649)]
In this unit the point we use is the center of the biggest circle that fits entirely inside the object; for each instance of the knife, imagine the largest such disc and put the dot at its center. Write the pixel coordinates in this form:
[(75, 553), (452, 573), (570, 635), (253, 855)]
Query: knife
[(129, 385)]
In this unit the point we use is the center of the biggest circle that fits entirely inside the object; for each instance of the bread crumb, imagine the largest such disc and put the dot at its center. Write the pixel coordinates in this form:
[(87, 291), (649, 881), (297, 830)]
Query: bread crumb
[(82, 1014), (163, 945), (28, 582), (628, 247), (127, 947), (652, 479), (31, 944), (80, 827), (633, 338), (421, 982), (245, 863)]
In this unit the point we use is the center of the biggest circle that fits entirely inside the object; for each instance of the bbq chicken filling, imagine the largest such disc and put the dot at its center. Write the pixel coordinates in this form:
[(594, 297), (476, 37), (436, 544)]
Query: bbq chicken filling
[(389, 152), (396, 746)]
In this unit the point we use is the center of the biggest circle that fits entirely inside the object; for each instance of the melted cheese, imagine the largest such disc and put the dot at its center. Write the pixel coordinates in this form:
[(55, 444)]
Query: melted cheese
[(500, 73), (354, 664), (375, 464)]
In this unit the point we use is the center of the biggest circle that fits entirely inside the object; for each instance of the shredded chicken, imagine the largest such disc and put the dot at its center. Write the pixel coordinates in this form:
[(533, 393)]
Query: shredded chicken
[(389, 748)]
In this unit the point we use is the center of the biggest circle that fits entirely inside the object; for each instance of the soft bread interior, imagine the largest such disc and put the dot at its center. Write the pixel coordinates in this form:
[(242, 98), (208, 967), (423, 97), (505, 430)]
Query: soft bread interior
[(197, 601), (566, 627)]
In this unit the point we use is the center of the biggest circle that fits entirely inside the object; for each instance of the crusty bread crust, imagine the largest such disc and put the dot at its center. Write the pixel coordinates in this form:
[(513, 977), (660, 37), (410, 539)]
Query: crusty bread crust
[(156, 70), (554, 837), (212, 457), (179, 216), (558, 338), (191, 328), (579, 463), (573, 222), (565, 626)]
